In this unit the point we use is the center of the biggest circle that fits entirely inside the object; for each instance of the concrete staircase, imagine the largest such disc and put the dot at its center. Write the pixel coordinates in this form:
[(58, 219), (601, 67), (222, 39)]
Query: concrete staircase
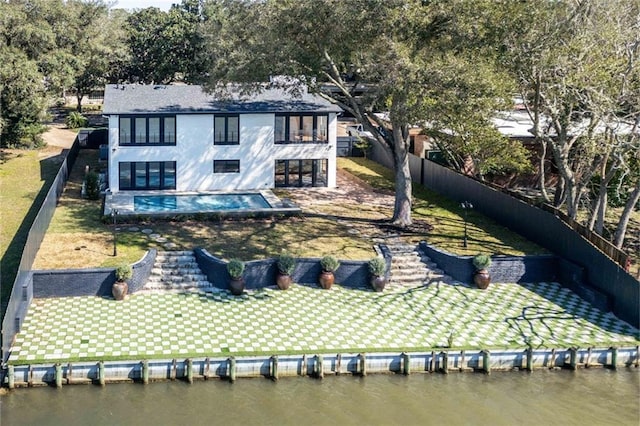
[(176, 271), (411, 268)]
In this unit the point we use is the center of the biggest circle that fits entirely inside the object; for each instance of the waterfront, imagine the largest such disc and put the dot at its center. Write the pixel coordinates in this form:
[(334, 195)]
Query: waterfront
[(595, 396)]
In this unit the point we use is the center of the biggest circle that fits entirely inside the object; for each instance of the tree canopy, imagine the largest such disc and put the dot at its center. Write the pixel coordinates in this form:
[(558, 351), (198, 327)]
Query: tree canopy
[(376, 56)]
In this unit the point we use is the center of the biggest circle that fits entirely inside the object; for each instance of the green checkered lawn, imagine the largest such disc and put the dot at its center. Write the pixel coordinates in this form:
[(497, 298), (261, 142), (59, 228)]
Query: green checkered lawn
[(307, 319)]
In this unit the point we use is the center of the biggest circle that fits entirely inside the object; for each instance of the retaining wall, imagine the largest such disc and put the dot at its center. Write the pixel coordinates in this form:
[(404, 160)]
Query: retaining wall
[(89, 282), (318, 365), (514, 269), (262, 273)]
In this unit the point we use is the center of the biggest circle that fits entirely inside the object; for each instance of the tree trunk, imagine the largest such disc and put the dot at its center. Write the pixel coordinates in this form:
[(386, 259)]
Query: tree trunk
[(621, 230), (403, 184), (558, 196), (79, 97), (542, 179)]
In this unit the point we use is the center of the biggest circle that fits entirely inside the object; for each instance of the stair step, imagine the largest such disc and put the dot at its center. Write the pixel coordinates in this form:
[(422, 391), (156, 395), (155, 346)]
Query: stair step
[(174, 271), (175, 259), (176, 278)]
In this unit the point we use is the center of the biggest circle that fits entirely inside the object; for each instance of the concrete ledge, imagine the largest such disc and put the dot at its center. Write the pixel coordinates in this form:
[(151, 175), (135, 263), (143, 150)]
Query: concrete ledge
[(442, 360)]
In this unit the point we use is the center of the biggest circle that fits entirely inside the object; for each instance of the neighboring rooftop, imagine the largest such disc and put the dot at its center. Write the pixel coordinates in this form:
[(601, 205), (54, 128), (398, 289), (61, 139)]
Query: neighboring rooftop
[(171, 99)]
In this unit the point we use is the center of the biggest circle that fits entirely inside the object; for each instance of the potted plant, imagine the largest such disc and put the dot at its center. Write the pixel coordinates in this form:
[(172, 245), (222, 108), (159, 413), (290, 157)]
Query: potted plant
[(482, 278), (377, 268), (235, 268), (286, 264), (329, 264), (120, 288)]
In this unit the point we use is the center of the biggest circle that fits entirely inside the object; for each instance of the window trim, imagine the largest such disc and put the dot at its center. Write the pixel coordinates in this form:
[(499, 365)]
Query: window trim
[(146, 117), (225, 163), (319, 173), (132, 175), (226, 141), (301, 116)]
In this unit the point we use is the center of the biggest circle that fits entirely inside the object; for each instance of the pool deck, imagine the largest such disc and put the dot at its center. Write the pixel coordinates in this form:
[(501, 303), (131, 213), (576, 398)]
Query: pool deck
[(123, 203)]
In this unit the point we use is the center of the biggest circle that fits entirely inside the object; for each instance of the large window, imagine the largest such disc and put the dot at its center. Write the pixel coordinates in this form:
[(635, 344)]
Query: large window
[(309, 128), (226, 166), (226, 130), (147, 175), (148, 130), (301, 173)]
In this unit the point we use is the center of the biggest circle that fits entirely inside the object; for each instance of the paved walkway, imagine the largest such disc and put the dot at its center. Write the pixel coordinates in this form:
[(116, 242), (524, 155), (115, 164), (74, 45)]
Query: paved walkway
[(307, 319)]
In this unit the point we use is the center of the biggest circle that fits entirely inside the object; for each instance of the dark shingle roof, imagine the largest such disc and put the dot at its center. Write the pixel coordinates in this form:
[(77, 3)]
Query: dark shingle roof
[(170, 99)]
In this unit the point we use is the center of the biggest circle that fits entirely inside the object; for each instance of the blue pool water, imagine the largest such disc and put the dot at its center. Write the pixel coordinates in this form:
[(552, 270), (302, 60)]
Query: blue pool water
[(198, 203)]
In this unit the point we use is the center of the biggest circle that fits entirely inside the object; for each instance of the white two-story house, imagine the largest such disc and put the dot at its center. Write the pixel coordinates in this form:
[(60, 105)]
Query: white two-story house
[(180, 138)]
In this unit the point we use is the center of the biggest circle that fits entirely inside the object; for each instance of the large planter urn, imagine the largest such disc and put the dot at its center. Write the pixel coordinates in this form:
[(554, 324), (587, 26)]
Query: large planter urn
[(119, 290), (482, 278), (326, 279), (236, 286), (283, 281), (378, 282)]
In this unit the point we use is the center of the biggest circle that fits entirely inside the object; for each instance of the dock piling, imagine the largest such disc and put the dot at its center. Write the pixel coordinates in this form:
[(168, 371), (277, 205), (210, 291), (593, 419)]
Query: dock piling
[(274, 367), (319, 367), (614, 357), (363, 364), (189, 370), (58, 375), (101, 380), (232, 369), (11, 376), (486, 361), (573, 352), (406, 358), (145, 371)]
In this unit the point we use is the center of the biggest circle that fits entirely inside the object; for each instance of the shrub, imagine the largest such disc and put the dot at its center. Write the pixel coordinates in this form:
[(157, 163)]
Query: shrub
[(123, 272), (329, 263), (286, 263), (481, 261), (75, 120), (93, 186), (377, 266), (235, 268)]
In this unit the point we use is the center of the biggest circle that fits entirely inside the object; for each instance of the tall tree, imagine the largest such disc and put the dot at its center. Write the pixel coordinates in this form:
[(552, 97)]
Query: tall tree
[(22, 100), (167, 46), (576, 64), (375, 55)]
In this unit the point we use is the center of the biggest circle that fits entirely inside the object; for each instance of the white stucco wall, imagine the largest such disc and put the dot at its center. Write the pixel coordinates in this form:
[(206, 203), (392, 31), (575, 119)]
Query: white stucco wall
[(194, 153)]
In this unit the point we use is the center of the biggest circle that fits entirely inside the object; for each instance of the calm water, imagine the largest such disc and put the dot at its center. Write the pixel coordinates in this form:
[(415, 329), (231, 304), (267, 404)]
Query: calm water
[(594, 397), (198, 203)]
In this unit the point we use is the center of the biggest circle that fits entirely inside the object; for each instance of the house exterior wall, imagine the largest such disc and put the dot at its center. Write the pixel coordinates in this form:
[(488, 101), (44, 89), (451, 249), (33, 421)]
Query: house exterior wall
[(195, 152)]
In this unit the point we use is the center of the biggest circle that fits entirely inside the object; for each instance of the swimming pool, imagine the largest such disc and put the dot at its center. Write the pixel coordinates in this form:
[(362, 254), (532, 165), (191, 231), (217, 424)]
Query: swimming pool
[(198, 203)]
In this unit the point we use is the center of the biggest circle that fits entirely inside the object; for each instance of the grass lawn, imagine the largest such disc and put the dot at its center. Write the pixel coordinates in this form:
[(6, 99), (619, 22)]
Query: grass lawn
[(346, 228), (25, 178), (445, 216)]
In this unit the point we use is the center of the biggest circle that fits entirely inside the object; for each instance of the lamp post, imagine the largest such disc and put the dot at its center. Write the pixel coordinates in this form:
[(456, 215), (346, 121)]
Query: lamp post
[(466, 205), (114, 214)]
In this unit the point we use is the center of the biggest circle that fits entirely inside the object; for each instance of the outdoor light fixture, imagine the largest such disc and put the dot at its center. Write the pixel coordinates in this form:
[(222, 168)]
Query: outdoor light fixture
[(466, 205), (114, 214)]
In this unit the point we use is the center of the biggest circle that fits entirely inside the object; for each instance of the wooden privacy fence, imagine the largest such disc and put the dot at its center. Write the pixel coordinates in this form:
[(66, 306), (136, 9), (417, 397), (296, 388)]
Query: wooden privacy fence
[(605, 246)]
